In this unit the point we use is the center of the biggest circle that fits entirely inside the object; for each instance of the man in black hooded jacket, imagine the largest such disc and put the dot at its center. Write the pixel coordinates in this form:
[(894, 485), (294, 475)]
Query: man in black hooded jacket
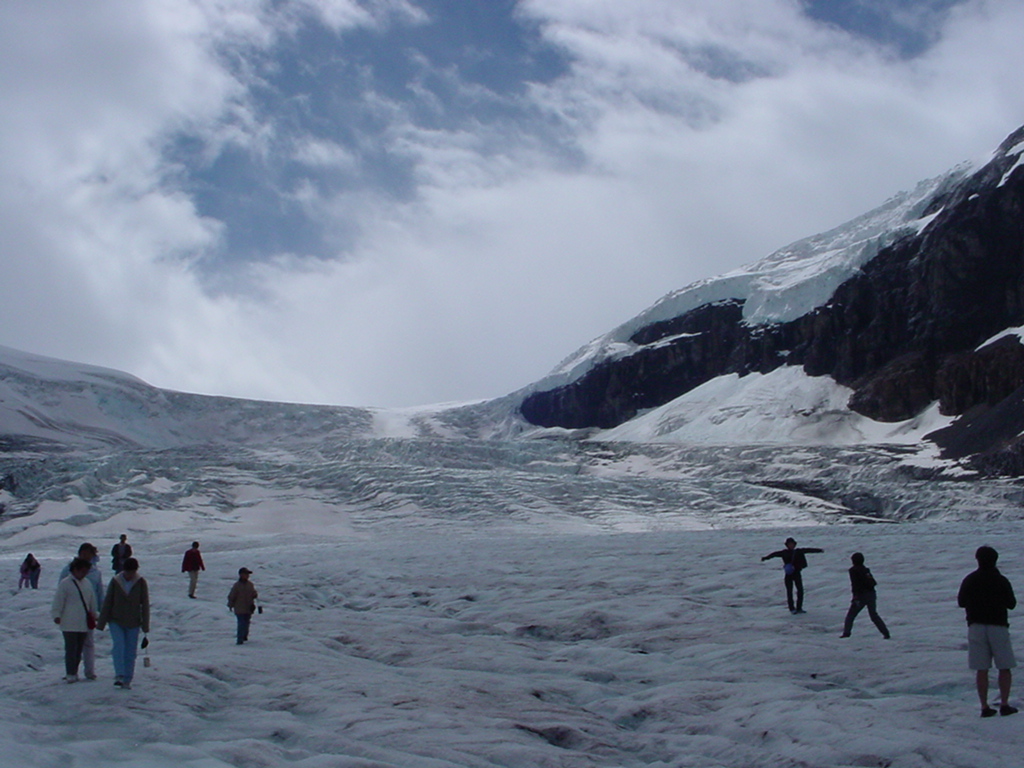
[(987, 595), (794, 560)]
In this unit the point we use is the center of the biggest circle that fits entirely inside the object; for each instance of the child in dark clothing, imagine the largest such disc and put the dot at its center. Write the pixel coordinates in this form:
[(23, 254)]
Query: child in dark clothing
[(862, 584)]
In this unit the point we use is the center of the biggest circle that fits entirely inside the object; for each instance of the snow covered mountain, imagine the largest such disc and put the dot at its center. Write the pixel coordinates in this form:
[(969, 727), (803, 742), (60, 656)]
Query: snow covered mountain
[(48, 401), (911, 309), (880, 330), (798, 390)]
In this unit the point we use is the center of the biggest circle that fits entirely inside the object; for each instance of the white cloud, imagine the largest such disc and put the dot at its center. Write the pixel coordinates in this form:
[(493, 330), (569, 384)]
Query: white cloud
[(708, 134), (317, 152), (339, 15)]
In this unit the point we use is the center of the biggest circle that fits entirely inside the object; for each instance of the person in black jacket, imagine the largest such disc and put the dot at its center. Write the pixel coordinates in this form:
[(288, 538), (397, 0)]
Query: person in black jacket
[(119, 553), (793, 562), (986, 596), (862, 584)]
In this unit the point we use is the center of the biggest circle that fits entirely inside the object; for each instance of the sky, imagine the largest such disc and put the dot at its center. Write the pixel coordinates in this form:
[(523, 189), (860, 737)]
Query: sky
[(401, 202)]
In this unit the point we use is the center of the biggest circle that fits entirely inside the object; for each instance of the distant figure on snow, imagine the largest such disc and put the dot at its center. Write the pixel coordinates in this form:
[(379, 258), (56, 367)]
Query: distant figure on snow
[(94, 579), (74, 610), (126, 609), (986, 595), (192, 564), (242, 600), (862, 584), (30, 569), (793, 562), (120, 552)]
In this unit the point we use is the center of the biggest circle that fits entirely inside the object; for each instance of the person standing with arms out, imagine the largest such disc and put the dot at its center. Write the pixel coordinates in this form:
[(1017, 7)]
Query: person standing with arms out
[(126, 609), (89, 552), (862, 584), (192, 564), (986, 596), (73, 610), (30, 569), (793, 562), (120, 552), (242, 600)]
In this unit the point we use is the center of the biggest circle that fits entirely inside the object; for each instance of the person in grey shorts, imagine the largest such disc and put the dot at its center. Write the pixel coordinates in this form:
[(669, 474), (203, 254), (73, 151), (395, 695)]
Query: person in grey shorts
[(986, 596)]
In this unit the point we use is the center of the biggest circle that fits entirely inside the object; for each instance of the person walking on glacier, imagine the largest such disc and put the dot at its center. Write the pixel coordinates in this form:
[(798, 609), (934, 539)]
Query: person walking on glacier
[(30, 569), (74, 611), (119, 553), (192, 564), (794, 560), (94, 578), (126, 610), (242, 601), (986, 595), (862, 584)]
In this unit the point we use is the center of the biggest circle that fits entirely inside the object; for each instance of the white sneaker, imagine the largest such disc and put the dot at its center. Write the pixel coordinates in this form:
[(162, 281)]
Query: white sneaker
[(70, 678)]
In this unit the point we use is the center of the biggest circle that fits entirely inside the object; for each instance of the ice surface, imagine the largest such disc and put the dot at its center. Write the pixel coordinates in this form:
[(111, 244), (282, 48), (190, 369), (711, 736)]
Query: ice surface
[(517, 648)]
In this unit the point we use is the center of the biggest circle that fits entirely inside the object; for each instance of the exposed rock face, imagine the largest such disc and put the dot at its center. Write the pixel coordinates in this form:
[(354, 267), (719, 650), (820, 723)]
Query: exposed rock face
[(987, 376), (902, 332), (677, 356)]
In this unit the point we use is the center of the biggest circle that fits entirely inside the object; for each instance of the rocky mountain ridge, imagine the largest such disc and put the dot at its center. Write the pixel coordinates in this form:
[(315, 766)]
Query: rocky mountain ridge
[(927, 318)]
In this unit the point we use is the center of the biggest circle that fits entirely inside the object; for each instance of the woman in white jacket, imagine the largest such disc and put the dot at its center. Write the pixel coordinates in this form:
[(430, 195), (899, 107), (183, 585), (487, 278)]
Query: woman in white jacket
[(73, 603)]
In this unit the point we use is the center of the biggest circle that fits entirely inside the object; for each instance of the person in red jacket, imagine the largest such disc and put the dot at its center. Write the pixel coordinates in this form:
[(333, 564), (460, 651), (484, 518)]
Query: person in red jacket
[(192, 564)]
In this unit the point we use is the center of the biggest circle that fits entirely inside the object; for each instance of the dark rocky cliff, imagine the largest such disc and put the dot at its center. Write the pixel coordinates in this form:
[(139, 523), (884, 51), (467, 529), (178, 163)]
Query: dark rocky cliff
[(902, 332)]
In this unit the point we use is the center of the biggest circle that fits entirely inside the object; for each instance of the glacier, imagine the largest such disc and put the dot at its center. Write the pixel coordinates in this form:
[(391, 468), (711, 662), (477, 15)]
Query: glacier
[(451, 586)]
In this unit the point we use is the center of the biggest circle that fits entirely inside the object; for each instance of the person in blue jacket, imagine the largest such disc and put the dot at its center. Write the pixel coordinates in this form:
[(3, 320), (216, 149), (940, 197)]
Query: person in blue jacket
[(794, 560)]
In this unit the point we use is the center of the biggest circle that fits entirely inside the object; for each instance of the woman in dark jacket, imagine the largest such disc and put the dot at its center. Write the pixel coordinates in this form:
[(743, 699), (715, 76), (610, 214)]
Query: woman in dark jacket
[(126, 609)]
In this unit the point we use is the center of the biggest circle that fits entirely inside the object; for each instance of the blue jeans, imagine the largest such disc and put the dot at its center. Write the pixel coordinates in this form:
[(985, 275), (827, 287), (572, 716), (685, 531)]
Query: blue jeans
[(243, 627), (126, 646)]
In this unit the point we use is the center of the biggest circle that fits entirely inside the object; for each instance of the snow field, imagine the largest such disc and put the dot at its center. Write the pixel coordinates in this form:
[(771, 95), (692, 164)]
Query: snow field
[(634, 649)]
